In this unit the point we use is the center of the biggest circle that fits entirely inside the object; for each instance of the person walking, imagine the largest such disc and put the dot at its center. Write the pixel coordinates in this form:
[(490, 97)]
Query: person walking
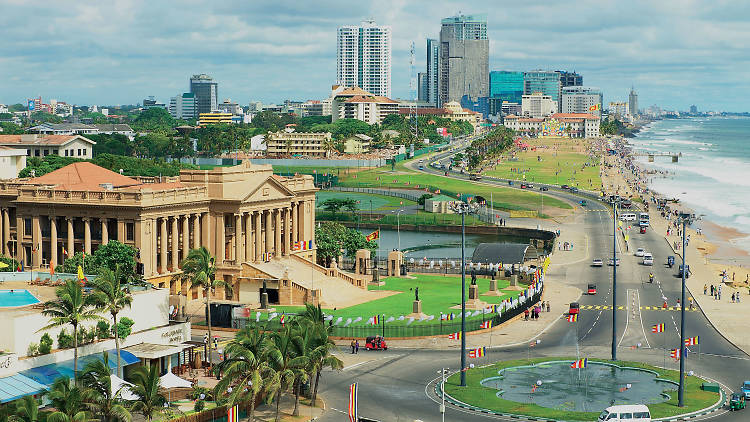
[(705, 288), (356, 347), (526, 314), (352, 346), (548, 306)]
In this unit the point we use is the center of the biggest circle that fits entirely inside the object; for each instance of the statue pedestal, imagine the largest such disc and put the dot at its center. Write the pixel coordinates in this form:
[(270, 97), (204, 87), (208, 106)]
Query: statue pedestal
[(514, 283), (417, 310), (473, 302), (493, 291), (473, 292), (263, 300)]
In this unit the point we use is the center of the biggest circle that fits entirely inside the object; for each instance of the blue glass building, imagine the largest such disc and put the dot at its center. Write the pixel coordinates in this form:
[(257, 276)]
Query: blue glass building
[(545, 81), (506, 85)]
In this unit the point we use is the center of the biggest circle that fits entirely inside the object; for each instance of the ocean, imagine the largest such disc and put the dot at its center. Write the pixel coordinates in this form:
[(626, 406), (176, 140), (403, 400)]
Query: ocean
[(713, 174)]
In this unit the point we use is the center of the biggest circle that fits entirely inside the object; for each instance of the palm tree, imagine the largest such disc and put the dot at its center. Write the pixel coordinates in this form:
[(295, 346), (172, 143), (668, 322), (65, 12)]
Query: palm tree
[(304, 347), (27, 410), (245, 369), (146, 387), (329, 145), (71, 307), (67, 399), (282, 359), (320, 356), (99, 397), (199, 269), (112, 297)]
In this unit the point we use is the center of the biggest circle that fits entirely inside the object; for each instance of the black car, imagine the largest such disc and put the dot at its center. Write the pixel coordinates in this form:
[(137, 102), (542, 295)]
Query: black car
[(573, 189), (543, 188), (566, 187)]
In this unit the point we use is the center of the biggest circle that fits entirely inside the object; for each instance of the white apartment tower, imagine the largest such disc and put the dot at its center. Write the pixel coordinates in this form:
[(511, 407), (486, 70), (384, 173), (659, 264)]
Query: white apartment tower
[(363, 57)]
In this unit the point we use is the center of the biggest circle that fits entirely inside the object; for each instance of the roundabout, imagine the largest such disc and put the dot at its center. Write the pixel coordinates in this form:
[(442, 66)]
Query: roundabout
[(552, 389)]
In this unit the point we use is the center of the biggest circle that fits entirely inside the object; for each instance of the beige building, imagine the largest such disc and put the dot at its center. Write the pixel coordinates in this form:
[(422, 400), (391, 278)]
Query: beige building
[(12, 161), (309, 144), (568, 125), (451, 110), (37, 145), (244, 215), (356, 103), (357, 144), (538, 105)]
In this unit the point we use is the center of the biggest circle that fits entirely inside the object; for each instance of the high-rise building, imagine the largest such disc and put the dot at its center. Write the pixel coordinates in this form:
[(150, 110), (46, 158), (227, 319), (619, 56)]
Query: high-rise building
[(538, 105), (582, 99), (570, 78), (184, 106), (693, 109), (506, 85), (464, 58), (363, 57), (433, 71), (633, 102), (618, 109), (206, 93), (422, 94), (545, 81)]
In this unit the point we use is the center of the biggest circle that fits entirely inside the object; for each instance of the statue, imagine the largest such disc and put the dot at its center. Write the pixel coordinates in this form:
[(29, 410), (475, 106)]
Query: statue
[(264, 287), (494, 273), (473, 277), (416, 294)]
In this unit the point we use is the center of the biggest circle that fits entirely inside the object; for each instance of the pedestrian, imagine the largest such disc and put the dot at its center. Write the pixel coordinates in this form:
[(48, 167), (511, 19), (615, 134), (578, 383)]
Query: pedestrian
[(732, 297), (526, 314), (712, 290), (690, 301), (205, 338), (548, 306), (732, 275), (356, 346), (352, 346), (705, 288), (738, 297), (216, 343)]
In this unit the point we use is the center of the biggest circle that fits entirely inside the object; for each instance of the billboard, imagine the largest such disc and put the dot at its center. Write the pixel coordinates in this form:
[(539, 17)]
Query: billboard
[(31, 105)]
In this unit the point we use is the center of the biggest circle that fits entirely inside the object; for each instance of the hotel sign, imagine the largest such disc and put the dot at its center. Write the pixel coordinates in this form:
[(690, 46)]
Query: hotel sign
[(7, 364), (174, 336)]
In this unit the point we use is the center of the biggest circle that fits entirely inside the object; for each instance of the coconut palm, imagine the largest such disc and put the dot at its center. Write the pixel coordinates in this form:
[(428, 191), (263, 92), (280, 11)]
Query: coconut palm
[(244, 369), (304, 347), (67, 399), (112, 297), (150, 401), (282, 359), (321, 357), (71, 308), (27, 410), (199, 269), (99, 397)]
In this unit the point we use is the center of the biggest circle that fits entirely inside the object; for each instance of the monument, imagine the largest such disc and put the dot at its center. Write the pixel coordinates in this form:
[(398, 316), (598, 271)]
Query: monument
[(416, 306)]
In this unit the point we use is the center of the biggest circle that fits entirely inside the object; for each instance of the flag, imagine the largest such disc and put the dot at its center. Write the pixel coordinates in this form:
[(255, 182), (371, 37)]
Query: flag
[(282, 318), (572, 318), (375, 320), (80, 273), (353, 417), (658, 328), (692, 341), (455, 336), (580, 363), (373, 236), (476, 353), (447, 317), (65, 252), (674, 354), (233, 414), (486, 324), (595, 107)]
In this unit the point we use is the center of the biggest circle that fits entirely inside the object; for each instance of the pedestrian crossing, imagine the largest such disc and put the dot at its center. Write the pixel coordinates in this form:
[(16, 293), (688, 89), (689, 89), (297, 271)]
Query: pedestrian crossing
[(642, 308), (597, 210)]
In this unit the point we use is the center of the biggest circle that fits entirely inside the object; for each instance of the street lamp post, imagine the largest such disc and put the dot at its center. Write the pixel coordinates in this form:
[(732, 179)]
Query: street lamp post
[(463, 208), (614, 279), (686, 219), (398, 227)]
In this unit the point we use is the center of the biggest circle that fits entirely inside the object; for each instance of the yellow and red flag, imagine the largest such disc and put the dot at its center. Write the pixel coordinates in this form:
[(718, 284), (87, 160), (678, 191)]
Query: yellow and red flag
[(373, 236)]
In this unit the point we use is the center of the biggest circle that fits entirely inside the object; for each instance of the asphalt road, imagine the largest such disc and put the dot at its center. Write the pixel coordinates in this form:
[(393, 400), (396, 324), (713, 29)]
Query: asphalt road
[(398, 385)]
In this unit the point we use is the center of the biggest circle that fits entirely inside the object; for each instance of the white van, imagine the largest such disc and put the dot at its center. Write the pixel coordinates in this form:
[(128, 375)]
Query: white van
[(627, 217), (629, 413)]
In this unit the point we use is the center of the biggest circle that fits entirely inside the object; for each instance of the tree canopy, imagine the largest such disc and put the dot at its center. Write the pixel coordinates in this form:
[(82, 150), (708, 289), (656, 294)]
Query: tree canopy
[(331, 238)]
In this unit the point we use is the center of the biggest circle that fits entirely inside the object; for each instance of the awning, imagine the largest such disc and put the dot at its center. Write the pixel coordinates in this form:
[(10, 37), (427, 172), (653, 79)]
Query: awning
[(17, 386), (47, 374), (155, 351)]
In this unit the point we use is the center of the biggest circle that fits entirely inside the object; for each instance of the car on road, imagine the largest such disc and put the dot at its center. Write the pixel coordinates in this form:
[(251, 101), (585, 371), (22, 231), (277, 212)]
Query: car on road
[(746, 389), (566, 187), (573, 189), (597, 263), (670, 261), (626, 204), (737, 401), (583, 203), (510, 183), (475, 176), (591, 289), (524, 186), (643, 229), (648, 259), (376, 343), (543, 188), (574, 308), (610, 263), (640, 252), (626, 412), (530, 185), (687, 272)]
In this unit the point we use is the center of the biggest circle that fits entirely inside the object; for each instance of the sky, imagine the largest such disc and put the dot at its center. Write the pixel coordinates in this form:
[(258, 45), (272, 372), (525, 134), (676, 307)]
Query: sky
[(674, 52)]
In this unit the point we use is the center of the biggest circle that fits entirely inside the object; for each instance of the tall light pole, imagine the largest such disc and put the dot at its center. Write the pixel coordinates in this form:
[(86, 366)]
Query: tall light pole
[(463, 208), (686, 219), (614, 279), (398, 227)]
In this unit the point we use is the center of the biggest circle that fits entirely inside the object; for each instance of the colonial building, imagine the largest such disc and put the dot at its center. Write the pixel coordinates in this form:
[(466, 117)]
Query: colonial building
[(568, 125), (37, 145), (451, 110), (308, 144), (356, 103)]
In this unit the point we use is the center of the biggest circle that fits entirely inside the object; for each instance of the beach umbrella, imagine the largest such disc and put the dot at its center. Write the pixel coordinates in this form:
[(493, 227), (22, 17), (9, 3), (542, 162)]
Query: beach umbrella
[(401, 318), (348, 321)]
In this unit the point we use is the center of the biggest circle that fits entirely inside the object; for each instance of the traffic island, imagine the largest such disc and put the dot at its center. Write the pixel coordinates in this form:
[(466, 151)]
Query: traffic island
[(551, 389)]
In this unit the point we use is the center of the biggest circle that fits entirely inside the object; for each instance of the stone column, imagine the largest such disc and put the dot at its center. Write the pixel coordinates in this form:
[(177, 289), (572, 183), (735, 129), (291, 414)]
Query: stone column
[(122, 231), (277, 233), (105, 231), (36, 242), (175, 243), (220, 239), (71, 238), (269, 232), (87, 235), (301, 221), (295, 217), (249, 250), (196, 230), (239, 244), (258, 238), (2, 231), (53, 241), (6, 232), (185, 235), (206, 231), (285, 229), (163, 245)]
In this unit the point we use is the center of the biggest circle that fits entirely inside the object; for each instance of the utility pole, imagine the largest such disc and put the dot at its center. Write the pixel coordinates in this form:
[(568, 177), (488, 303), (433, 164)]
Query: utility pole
[(463, 208), (681, 391), (614, 279)]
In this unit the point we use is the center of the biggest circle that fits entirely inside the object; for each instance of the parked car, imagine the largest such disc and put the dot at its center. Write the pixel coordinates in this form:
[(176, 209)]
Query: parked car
[(597, 263), (648, 259), (640, 252)]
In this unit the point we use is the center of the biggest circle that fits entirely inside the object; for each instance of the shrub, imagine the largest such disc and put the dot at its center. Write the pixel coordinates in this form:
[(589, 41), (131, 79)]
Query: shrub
[(124, 326), (45, 344), (90, 335), (199, 406), (64, 340), (208, 394), (102, 330), (424, 197), (32, 350)]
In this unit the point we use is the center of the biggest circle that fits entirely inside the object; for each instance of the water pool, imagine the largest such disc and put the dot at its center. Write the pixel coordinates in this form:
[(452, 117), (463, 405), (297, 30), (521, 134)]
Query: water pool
[(16, 297)]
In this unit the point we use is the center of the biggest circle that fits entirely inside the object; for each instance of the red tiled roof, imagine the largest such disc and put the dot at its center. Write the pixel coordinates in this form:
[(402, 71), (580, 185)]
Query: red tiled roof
[(84, 176), (35, 139)]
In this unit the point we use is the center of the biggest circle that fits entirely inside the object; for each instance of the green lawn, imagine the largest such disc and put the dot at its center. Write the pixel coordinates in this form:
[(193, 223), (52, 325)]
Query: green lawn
[(317, 170), (485, 397), (438, 294), (420, 218), (379, 202)]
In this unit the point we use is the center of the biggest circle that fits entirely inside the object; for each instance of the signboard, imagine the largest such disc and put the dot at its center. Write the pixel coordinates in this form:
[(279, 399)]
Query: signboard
[(553, 127), (7, 364), (31, 105)]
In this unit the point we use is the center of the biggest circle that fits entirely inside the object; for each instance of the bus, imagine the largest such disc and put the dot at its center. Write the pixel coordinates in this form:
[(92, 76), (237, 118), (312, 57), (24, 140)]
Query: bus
[(643, 219)]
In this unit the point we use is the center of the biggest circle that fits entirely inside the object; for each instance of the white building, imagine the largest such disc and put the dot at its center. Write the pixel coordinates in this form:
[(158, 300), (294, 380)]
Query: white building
[(619, 109), (562, 125), (184, 106), (42, 145), (12, 161), (355, 103), (363, 57), (229, 107), (538, 105), (64, 129), (582, 99)]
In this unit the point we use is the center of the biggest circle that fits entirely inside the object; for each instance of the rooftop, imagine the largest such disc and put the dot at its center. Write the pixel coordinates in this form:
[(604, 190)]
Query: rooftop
[(84, 176), (586, 116), (35, 139)]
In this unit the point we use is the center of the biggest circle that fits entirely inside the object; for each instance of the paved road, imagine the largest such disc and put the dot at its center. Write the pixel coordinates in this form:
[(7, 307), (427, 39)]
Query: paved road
[(395, 386)]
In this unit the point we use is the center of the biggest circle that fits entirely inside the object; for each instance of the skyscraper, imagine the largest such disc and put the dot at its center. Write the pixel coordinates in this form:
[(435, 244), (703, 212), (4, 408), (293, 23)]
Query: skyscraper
[(570, 78), (506, 85), (433, 71), (464, 58), (545, 81), (422, 93), (206, 93), (363, 57), (184, 106), (633, 102), (580, 99)]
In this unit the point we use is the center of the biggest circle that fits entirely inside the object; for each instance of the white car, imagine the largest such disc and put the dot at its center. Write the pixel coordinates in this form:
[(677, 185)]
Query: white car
[(640, 252), (648, 259), (597, 263)]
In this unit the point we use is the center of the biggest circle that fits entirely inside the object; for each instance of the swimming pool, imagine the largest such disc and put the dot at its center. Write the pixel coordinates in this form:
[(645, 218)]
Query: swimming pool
[(17, 297)]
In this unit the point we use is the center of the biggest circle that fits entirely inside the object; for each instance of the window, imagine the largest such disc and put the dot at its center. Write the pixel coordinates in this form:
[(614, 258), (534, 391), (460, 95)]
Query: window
[(27, 226), (79, 152), (36, 153), (130, 231), (66, 152), (46, 152), (626, 416), (28, 152), (641, 415)]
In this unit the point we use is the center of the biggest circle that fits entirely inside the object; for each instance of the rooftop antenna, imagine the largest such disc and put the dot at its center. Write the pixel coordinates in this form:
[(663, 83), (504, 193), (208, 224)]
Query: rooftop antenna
[(413, 94)]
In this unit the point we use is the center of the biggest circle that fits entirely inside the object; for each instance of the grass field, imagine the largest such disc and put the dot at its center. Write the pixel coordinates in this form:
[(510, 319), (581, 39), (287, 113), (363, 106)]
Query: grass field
[(438, 294), (484, 397), (379, 202), (420, 218)]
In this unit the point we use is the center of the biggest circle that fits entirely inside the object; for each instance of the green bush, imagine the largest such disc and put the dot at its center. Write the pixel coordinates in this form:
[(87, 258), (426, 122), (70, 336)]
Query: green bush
[(208, 393), (124, 328), (32, 350), (103, 330), (12, 264), (64, 340), (199, 406), (45, 344)]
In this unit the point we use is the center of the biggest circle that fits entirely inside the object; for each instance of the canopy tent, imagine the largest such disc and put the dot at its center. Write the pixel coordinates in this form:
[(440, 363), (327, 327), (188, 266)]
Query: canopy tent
[(119, 383), (17, 386), (170, 380), (47, 374)]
